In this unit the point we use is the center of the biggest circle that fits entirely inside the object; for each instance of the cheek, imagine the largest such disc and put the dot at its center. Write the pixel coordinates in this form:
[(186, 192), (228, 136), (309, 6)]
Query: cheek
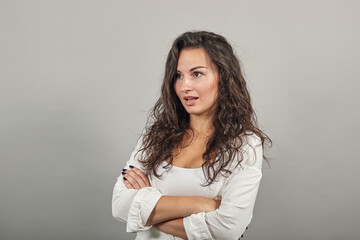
[(215, 88), (177, 88), (210, 90), (215, 94)]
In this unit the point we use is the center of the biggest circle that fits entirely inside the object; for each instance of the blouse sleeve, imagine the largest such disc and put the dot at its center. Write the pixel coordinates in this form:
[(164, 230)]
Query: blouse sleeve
[(133, 206), (230, 220)]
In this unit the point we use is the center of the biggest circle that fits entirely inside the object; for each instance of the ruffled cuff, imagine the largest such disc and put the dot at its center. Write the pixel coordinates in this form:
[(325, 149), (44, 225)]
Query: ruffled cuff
[(196, 228), (141, 207)]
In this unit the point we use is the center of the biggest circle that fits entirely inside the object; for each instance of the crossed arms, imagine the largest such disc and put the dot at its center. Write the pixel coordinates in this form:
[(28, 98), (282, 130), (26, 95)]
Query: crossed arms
[(165, 216), (142, 206)]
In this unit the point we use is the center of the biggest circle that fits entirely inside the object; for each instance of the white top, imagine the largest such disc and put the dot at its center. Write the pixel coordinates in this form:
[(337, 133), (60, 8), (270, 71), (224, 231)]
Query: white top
[(180, 181), (237, 193)]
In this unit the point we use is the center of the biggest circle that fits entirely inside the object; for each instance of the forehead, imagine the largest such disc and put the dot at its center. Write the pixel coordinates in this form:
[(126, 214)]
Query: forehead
[(191, 57)]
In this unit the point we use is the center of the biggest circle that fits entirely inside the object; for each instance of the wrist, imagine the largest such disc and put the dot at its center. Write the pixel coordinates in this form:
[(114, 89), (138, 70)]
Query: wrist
[(194, 204), (204, 204)]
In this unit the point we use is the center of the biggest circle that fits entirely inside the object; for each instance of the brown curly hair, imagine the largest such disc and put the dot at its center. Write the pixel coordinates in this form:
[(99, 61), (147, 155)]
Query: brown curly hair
[(234, 117)]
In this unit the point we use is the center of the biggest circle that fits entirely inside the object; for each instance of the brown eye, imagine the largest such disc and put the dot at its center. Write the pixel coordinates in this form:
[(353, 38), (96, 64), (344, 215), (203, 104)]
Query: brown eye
[(197, 74), (178, 76)]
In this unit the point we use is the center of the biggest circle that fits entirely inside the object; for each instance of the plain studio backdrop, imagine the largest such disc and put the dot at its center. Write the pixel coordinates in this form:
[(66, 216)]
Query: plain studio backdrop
[(77, 79)]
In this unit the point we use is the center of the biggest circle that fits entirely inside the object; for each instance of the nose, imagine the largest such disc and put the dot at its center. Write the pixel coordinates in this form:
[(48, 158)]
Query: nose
[(186, 84)]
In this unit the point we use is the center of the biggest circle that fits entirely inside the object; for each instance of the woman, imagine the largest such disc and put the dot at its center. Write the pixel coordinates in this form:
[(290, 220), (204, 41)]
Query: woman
[(196, 170)]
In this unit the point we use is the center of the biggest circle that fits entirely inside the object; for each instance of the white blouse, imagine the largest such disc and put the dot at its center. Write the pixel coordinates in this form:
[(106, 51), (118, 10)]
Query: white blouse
[(237, 193), (180, 181)]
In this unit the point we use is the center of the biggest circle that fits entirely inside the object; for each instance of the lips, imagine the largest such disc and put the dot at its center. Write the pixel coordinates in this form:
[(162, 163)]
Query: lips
[(190, 100)]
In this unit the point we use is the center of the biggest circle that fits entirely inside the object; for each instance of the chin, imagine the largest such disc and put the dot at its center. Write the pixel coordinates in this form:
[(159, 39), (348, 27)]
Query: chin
[(193, 111), (196, 113)]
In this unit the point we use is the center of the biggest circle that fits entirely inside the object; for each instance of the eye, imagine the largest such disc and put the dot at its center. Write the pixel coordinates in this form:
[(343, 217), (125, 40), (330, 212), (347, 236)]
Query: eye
[(178, 76), (197, 74)]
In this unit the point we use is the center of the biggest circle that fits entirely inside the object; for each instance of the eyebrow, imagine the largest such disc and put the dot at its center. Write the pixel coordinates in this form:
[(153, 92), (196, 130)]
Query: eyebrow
[(194, 68)]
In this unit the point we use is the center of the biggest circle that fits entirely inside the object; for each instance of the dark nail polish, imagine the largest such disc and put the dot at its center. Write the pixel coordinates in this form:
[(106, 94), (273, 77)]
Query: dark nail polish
[(123, 173), (124, 178), (131, 166), (124, 169)]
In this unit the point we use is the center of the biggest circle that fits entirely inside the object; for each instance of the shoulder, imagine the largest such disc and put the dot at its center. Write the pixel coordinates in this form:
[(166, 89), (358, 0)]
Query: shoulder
[(251, 141), (136, 154), (251, 150), (251, 138)]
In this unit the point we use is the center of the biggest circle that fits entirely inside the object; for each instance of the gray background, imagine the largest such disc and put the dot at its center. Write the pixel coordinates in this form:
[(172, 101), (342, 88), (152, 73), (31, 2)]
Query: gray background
[(78, 77)]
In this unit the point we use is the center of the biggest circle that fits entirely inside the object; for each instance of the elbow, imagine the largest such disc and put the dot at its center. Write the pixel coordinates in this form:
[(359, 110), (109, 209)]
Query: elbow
[(234, 233), (115, 215), (229, 227), (121, 202), (117, 212), (120, 207)]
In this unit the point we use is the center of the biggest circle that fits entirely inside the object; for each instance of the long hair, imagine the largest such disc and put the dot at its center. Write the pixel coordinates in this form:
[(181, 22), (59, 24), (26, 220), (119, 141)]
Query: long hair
[(234, 117)]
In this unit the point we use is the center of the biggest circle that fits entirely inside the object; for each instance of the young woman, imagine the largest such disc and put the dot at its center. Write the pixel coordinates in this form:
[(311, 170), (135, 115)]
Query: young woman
[(196, 170)]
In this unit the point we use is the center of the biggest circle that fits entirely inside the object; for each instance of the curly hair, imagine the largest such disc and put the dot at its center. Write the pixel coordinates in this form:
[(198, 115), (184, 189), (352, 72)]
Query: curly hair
[(234, 117)]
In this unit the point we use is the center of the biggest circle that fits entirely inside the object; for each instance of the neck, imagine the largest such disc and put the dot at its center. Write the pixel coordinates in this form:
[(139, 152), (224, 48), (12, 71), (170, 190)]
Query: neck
[(201, 126)]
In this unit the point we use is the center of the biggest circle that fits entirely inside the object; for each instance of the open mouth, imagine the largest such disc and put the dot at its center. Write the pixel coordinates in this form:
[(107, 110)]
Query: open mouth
[(190, 98), (190, 101)]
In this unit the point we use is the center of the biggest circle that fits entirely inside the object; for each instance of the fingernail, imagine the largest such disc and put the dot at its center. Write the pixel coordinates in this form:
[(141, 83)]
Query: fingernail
[(124, 169), (124, 178), (123, 173), (131, 166)]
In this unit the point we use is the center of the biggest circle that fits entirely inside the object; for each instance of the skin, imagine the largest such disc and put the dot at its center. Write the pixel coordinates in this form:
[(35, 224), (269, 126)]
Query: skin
[(198, 77)]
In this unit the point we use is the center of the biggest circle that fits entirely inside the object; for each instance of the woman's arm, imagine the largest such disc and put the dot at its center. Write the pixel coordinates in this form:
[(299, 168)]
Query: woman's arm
[(230, 220), (133, 206), (169, 207), (174, 227), (172, 207), (165, 216)]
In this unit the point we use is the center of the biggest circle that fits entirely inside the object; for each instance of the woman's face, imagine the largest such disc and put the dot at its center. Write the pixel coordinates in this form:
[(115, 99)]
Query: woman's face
[(196, 82)]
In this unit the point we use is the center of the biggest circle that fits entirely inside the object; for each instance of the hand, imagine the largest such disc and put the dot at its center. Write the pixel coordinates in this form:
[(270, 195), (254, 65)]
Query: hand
[(134, 178), (207, 205)]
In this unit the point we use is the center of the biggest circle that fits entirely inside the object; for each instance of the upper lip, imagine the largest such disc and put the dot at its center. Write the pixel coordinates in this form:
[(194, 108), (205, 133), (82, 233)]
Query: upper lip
[(190, 97)]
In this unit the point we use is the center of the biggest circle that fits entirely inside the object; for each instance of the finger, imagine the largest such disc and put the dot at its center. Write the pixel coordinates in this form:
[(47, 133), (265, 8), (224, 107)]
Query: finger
[(136, 177), (132, 181), (142, 175), (127, 184)]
